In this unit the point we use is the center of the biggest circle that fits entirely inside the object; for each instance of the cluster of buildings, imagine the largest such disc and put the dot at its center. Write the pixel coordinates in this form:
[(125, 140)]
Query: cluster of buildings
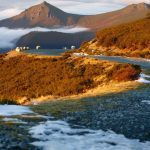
[(72, 48), (19, 49)]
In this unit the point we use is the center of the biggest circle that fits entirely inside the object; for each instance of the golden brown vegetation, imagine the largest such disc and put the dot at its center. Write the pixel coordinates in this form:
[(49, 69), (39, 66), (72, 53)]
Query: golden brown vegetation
[(33, 77), (133, 36), (132, 40)]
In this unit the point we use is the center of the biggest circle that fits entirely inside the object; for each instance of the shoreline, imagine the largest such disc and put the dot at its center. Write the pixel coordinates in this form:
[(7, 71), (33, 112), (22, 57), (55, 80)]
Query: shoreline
[(117, 56), (111, 88), (13, 53)]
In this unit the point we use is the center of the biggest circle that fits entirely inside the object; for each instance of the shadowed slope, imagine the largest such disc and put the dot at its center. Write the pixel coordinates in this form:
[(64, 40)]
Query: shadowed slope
[(54, 39)]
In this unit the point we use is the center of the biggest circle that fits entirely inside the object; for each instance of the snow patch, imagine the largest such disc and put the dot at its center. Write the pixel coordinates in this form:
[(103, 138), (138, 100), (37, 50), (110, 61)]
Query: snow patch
[(146, 101), (14, 120), (80, 54), (144, 75), (55, 135), (142, 78), (12, 110)]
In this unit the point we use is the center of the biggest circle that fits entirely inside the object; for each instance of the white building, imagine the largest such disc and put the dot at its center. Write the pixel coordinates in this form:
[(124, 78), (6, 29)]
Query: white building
[(19, 49), (38, 47), (64, 48), (73, 47)]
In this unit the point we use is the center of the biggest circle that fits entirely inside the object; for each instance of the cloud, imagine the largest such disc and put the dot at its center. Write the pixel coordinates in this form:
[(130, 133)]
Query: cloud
[(9, 37)]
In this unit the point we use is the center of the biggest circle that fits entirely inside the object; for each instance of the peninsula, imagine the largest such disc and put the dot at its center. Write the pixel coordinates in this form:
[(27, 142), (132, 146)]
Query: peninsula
[(29, 77)]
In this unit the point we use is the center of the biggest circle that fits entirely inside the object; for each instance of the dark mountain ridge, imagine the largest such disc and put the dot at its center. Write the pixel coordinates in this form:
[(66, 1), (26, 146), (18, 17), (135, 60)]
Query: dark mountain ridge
[(54, 39)]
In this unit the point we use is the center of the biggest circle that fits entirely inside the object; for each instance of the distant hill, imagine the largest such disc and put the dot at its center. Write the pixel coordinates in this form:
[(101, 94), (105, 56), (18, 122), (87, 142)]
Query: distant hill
[(128, 14), (131, 39), (54, 39), (134, 35), (49, 16)]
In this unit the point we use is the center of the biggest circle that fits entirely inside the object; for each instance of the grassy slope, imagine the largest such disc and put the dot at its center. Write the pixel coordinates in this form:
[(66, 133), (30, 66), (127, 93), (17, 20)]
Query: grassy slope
[(134, 35), (32, 77), (132, 39)]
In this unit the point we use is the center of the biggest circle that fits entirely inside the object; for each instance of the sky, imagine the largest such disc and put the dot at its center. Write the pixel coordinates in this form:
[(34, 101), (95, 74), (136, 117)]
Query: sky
[(10, 8)]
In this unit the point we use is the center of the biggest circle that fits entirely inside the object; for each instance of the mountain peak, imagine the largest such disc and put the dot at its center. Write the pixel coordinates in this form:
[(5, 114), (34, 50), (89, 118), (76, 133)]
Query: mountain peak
[(144, 5), (49, 16), (45, 3), (48, 6), (139, 6)]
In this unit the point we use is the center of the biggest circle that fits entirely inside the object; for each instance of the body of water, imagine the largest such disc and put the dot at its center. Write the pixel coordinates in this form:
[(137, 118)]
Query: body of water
[(52, 52), (2, 51)]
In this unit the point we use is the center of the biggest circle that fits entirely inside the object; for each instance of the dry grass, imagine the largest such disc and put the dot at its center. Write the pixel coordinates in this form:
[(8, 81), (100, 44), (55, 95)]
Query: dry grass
[(25, 77), (133, 36), (131, 40)]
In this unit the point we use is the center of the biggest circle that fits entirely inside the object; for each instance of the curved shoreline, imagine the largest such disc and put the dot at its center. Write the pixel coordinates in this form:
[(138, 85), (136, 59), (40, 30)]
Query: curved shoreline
[(112, 88)]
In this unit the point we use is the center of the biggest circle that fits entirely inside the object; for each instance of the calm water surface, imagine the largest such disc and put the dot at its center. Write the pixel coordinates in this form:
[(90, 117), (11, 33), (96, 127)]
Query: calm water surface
[(53, 52)]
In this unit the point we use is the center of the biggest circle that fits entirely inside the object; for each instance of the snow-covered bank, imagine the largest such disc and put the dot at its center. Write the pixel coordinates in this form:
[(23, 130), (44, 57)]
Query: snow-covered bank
[(12, 110), (146, 101), (143, 78), (14, 120), (144, 75), (58, 134), (80, 54)]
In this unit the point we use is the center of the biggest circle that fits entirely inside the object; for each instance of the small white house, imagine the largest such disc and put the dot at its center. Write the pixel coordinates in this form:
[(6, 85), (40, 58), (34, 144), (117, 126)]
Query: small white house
[(21, 48), (73, 47), (64, 48), (27, 48), (24, 48), (38, 47), (18, 49)]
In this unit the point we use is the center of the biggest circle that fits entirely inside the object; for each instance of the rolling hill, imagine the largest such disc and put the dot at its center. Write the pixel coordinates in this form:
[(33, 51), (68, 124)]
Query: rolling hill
[(128, 14), (130, 39), (54, 39)]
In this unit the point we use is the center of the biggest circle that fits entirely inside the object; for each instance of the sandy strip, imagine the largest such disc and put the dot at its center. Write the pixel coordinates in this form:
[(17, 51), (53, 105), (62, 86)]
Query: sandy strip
[(111, 88), (14, 53)]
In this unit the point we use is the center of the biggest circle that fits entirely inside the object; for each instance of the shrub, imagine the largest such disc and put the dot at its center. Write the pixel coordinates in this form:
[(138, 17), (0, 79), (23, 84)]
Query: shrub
[(32, 77)]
